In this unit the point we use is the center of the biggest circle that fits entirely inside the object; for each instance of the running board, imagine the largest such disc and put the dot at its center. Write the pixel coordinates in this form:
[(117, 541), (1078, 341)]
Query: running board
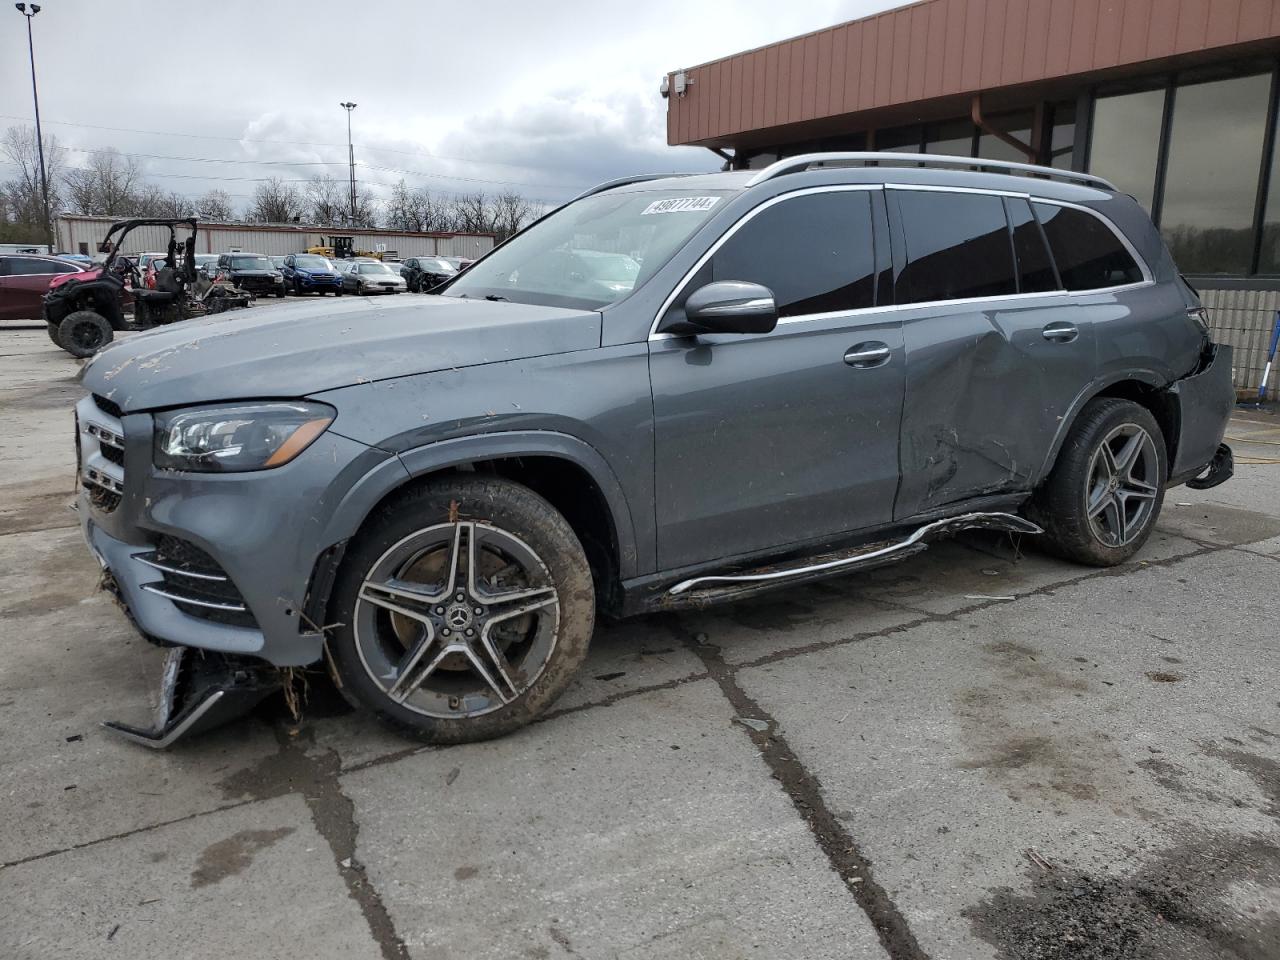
[(730, 586)]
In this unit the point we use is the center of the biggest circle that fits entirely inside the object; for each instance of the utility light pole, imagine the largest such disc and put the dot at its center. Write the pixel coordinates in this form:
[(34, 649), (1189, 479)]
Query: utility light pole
[(29, 10), (351, 158)]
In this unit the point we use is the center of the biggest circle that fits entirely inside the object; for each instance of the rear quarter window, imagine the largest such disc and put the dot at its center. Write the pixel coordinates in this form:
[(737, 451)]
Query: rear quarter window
[(1088, 253)]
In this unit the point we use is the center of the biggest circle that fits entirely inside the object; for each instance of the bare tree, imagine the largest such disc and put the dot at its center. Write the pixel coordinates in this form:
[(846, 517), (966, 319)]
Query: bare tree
[(151, 201), (22, 195), (276, 202), (216, 205), (403, 212), (510, 213), (471, 213), (327, 200), (108, 186)]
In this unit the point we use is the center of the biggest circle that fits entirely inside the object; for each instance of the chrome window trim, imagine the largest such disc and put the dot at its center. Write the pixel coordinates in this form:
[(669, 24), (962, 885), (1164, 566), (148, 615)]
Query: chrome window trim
[(724, 238), (1146, 281)]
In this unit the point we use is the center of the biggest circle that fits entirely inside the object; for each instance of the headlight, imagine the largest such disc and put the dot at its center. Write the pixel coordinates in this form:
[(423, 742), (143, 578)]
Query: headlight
[(228, 438)]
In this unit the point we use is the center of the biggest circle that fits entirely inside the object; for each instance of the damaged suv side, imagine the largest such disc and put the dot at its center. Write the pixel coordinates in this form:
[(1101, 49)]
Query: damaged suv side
[(669, 391)]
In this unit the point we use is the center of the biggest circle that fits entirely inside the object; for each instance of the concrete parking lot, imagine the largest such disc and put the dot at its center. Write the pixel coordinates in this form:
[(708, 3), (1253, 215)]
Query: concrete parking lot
[(981, 753)]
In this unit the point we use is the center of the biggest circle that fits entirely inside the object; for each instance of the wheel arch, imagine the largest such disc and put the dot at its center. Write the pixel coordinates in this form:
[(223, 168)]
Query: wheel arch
[(1142, 388), (566, 471)]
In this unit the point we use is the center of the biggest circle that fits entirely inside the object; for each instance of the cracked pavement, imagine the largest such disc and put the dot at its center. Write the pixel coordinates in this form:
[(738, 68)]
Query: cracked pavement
[(1090, 769)]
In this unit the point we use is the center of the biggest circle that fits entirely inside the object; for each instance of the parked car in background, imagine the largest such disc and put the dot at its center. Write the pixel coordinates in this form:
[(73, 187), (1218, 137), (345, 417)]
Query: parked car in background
[(422, 273), (278, 262), (311, 273), (206, 262), (143, 261), (24, 280), (81, 258), (372, 276), (253, 272)]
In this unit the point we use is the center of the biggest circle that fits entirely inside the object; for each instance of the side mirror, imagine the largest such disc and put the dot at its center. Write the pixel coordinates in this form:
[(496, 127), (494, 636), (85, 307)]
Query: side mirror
[(727, 306)]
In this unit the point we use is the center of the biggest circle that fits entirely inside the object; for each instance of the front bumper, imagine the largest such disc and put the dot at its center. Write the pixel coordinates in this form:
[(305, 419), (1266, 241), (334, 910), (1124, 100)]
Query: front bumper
[(1205, 402), (317, 283), (261, 533)]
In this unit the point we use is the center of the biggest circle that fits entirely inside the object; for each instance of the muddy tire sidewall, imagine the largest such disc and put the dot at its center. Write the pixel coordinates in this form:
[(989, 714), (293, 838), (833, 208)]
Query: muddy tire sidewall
[(1058, 504), (83, 333), (508, 506)]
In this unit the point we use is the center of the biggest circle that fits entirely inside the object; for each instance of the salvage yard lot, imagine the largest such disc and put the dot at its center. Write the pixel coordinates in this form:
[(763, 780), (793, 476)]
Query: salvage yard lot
[(983, 752)]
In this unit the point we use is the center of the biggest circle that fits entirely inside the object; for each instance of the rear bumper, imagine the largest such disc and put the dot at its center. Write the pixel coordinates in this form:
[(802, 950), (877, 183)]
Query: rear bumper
[(1205, 400)]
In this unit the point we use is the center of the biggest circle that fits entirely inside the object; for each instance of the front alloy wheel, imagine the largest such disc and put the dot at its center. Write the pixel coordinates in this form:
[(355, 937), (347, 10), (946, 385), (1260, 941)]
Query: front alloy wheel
[(457, 620), (465, 608)]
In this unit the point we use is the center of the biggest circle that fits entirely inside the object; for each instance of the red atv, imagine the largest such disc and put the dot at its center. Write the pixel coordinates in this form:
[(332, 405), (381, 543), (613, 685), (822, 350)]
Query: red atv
[(84, 310)]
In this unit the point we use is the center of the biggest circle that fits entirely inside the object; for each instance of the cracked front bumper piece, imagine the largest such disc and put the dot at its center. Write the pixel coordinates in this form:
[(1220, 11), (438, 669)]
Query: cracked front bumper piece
[(200, 691)]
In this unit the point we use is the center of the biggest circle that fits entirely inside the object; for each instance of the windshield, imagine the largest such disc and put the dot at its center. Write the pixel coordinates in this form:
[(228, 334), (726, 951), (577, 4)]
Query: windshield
[(251, 263), (312, 261), (376, 268), (444, 266), (592, 252)]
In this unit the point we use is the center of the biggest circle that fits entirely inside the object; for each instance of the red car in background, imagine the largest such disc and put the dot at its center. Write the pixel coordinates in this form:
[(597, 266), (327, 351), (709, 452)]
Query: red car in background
[(24, 278)]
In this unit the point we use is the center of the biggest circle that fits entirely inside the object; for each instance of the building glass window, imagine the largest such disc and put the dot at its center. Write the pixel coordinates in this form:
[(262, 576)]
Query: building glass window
[(957, 246), (814, 252), (1016, 125), (899, 140), (1062, 137), (1269, 262), (1211, 185), (954, 138), (1125, 142)]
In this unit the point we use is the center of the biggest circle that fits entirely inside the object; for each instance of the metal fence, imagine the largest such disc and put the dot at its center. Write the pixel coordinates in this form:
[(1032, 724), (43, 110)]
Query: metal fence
[(1245, 319)]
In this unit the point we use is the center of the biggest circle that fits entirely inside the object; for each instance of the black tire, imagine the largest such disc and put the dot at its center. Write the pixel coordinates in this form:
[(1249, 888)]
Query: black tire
[(282, 294), (297, 289), (340, 291), (83, 333), (555, 640), (53, 332), (1125, 496), (413, 285)]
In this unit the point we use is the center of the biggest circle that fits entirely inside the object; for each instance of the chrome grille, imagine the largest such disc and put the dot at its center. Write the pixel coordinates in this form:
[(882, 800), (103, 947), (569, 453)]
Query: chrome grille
[(100, 452)]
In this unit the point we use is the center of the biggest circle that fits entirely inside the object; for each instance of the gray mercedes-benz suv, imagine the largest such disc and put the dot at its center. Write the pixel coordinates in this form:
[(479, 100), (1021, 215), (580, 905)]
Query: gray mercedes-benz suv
[(668, 391)]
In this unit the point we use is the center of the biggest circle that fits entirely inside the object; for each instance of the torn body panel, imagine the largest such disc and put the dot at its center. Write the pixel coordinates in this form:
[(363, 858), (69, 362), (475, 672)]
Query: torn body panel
[(986, 392)]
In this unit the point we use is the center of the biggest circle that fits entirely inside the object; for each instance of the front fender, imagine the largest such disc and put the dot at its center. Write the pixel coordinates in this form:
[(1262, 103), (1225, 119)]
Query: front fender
[(419, 461)]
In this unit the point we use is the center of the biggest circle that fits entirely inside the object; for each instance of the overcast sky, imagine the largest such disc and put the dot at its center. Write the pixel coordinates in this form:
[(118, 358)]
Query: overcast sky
[(549, 97)]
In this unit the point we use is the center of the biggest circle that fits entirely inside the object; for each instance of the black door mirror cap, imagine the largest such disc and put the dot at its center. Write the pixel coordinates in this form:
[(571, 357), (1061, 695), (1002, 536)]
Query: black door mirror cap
[(726, 306)]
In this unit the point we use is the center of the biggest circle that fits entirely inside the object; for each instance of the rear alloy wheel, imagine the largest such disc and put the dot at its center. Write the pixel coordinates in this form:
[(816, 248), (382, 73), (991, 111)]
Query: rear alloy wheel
[(466, 608), (1104, 495), (83, 333)]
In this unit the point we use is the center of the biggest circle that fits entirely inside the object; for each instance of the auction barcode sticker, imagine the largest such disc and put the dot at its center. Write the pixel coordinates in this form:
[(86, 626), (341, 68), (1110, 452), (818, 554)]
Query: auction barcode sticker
[(680, 205)]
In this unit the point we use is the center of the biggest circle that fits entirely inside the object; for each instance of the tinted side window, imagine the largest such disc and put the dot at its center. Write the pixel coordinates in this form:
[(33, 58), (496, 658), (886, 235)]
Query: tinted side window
[(1088, 253), (1035, 266), (20, 266), (814, 252), (957, 246)]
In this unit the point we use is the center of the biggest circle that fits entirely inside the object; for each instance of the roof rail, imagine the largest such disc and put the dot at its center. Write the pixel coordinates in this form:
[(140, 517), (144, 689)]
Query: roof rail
[(623, 182), (806, 160)]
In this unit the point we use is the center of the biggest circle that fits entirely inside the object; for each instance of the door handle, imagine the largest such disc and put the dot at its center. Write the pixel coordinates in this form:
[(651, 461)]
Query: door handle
[(1060, 332), (866, 355)]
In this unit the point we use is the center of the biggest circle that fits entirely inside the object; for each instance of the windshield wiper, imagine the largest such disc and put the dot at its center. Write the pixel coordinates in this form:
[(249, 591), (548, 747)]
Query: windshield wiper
[(495, 296)]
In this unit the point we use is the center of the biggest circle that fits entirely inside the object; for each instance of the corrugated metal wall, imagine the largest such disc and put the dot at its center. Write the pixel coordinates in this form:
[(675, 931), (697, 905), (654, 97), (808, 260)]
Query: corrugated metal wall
[(1245, 319), (941, 48), (213, 238)]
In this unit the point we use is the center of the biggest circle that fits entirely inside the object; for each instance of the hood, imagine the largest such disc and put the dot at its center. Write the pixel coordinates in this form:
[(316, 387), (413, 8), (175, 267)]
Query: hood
[(303, 348), (61, 278), (252, 272)]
